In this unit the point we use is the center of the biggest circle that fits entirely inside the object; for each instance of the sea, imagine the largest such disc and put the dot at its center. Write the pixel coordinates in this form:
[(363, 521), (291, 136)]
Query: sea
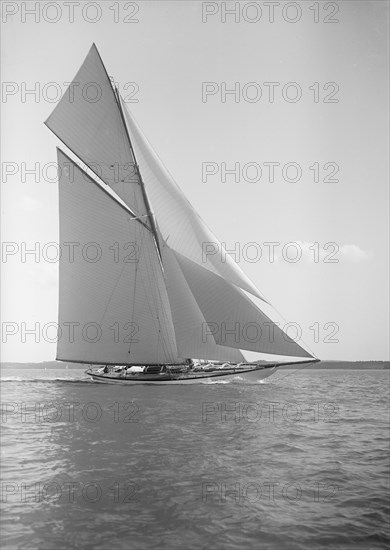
[(299, 461)]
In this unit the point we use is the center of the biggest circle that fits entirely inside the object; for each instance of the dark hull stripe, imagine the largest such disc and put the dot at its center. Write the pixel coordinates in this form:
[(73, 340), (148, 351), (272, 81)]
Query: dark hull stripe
[(146, 378)]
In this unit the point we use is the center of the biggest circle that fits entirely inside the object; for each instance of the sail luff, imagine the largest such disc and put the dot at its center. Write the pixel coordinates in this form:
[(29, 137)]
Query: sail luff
[(178, 221), (142, 184), (192, 340)]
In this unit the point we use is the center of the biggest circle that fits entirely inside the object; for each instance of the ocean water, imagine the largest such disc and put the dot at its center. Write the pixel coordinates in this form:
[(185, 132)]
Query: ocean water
[(300, 461)]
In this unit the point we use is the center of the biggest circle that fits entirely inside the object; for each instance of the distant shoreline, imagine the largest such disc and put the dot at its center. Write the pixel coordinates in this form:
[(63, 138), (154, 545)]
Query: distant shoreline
[(360, 365), (334, 364)]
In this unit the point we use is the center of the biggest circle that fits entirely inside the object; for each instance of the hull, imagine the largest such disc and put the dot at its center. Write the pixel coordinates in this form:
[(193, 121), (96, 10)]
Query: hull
[(253, 374)]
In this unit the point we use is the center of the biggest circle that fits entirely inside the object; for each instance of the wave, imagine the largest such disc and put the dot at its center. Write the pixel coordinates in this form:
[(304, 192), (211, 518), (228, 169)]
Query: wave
[(47, 380), (237, 380), (78, 380)]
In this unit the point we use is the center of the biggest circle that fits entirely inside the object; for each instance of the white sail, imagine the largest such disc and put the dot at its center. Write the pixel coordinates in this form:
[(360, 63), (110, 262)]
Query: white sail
[(180, 225), (112, 287), (193, 339), (234, 320), (89, 122), (137, 288)]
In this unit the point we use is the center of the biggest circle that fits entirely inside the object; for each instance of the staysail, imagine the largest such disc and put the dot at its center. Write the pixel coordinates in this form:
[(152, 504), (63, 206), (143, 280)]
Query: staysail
[(139, 289), (193, 337)]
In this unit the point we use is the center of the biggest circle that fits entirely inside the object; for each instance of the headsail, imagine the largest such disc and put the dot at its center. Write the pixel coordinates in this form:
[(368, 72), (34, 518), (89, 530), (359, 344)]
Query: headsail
[(233, 319), (112, 291), (193, 338), (179, 223), (89, 122)]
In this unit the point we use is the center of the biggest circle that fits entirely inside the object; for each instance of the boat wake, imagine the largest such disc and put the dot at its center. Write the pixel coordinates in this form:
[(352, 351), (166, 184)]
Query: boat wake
[(46, 380), (237, 380)]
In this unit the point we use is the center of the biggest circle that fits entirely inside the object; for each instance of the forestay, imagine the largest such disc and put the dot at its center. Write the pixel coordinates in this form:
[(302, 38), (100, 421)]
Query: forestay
[(180, 225)]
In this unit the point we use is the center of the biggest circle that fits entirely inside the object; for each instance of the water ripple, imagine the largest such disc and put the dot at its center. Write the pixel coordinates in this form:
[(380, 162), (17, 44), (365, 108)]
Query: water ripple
[(298, 463)]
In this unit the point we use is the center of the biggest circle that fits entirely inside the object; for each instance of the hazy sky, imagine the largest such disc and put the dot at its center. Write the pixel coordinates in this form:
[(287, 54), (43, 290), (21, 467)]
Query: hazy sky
[(334, 119)]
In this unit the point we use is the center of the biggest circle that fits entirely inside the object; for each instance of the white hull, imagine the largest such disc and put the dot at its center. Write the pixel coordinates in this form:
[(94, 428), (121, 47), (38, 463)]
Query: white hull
[(255, 374)]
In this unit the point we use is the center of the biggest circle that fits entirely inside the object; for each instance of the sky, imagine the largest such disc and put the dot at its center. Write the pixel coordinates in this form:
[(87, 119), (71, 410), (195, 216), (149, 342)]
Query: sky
[(310, 84)]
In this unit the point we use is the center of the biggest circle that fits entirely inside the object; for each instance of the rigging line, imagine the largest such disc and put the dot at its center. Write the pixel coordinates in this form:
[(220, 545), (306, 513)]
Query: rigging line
[(116, 96), (206, 225), (183, 197), (109, 81), (162, 343), (143, 187), (116, 284), (142, 135), (158, 304), (169, 313), (112, 292), (149, 289), (169, 343), (163, 322), (109, 300), (166, 345), (298, 369), (134, 291), (127, 184), (124, 129)]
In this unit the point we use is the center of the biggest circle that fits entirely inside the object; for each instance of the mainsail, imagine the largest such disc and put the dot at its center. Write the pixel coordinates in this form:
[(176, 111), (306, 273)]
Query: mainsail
[(167, 300), (113, 302)]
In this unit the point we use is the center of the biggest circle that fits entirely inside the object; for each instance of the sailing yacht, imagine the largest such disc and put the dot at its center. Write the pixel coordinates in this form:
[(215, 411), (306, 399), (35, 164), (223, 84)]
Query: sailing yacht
[(141, 300)]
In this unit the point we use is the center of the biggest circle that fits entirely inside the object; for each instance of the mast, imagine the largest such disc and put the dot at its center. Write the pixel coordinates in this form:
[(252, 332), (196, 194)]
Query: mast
[(142, 184), (179, 296)]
